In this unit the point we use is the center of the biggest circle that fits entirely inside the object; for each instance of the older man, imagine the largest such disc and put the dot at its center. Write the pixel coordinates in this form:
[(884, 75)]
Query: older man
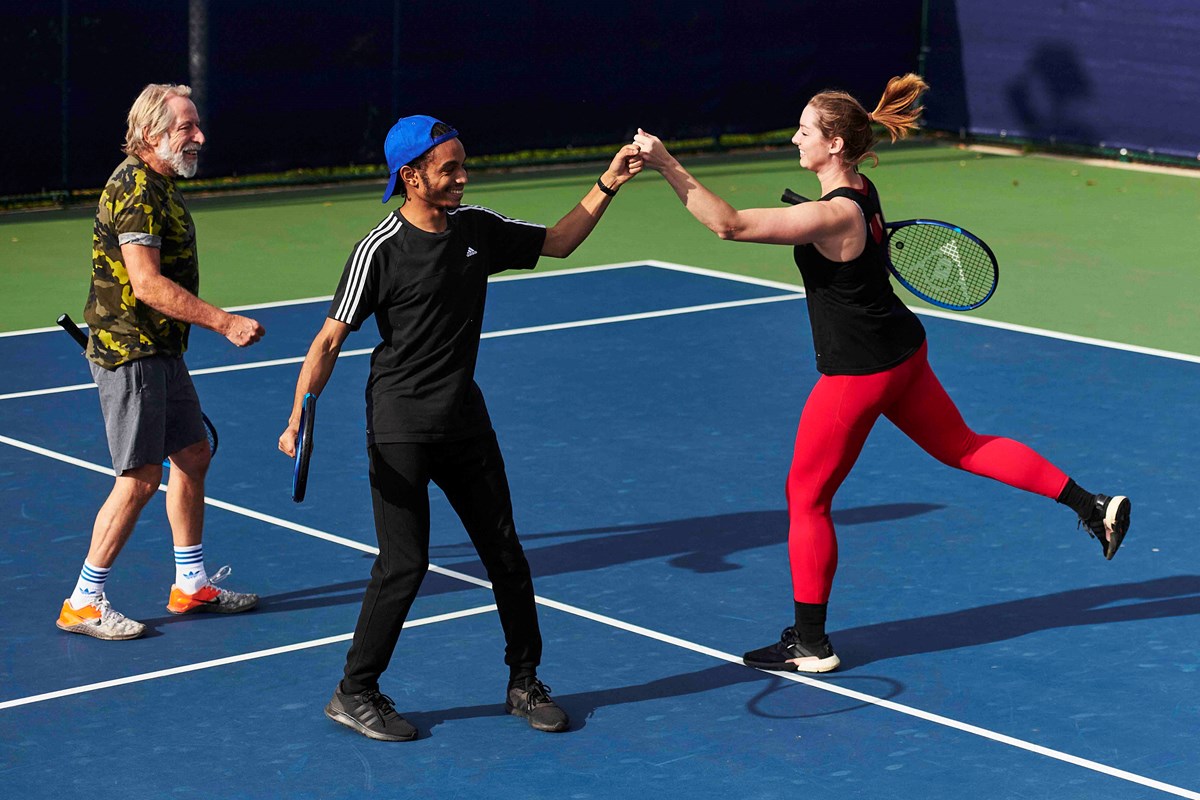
[(141, 306)]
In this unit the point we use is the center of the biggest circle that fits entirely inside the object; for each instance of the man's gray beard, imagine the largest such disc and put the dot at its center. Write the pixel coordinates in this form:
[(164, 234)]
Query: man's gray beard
[(176, 160)]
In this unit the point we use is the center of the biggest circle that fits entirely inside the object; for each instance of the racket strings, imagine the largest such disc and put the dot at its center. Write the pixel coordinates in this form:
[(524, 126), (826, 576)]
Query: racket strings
[(943, 264), (210, 433)]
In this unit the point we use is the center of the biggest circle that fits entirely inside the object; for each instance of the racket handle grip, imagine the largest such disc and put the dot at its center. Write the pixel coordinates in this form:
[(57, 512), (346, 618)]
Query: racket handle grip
[(792, 198), (68, 325)]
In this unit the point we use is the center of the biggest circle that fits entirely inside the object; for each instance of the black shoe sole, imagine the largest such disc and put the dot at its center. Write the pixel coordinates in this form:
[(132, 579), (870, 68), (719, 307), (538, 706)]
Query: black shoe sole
[(816, 667), (1120, 527), (353, 724), (213, 608)]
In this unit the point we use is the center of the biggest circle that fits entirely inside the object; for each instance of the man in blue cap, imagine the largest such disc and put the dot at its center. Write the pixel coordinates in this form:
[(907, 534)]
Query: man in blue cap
[(422, 272)]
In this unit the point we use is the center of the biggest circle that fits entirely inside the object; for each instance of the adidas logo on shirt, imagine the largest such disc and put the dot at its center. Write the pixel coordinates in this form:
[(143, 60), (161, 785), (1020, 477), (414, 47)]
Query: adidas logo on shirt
[(470, 251)]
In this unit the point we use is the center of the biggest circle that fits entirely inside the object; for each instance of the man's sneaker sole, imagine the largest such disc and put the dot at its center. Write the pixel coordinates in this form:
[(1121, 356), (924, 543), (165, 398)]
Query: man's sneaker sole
[(1116, 524), (108, 625), (91, 630), (350, 722), (213, 608)]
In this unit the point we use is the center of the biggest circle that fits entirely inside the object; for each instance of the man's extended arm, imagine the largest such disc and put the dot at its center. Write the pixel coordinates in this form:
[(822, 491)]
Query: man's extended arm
[(314, 374), (571, 230), (169, 298)]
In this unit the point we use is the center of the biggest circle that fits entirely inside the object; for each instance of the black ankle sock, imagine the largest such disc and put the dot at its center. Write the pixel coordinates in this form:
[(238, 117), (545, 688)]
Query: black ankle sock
[(1079, 500), (810, 621), (517, 676)]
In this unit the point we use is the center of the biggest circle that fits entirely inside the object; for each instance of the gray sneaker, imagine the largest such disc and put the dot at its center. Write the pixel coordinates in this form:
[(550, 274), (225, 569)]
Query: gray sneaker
[(531, 699), (372, 714), (211, 598), (98, 619)]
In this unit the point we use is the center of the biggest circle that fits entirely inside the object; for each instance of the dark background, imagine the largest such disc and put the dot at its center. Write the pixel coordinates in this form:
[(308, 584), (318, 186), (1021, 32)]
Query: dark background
[(314, 83)]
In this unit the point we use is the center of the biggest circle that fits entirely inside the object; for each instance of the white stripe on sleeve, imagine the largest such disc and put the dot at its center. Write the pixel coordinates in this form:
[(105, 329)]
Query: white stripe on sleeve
[(498, 215), (360, 266)]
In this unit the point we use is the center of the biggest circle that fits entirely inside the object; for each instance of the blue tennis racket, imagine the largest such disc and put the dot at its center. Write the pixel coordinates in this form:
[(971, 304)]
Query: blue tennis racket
[(940, 262), (210, 431), (304, 445)]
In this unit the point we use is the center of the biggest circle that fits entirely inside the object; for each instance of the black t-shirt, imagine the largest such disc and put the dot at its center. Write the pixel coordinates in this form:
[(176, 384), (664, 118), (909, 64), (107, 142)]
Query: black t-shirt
[(859, 325), (427, 292)]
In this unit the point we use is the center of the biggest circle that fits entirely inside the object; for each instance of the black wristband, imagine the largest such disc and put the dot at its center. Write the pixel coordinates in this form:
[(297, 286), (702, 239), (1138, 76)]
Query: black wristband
[(605, 189)]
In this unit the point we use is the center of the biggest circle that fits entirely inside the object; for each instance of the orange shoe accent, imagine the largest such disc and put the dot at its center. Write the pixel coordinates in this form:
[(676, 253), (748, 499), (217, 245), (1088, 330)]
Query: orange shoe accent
[(182, 602), (99, 620), (70, 616)]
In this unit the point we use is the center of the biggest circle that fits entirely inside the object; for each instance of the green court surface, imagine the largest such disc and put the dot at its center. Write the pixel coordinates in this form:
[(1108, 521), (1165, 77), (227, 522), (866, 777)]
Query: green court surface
[(1089, 250)]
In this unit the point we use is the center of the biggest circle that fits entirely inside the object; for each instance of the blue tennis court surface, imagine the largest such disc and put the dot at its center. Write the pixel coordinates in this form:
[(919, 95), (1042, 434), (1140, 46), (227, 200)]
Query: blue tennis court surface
[(646, 414)]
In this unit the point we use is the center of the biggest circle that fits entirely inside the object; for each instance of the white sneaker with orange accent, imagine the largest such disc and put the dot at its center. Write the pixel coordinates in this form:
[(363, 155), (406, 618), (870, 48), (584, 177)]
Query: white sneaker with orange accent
[(99, 620), (211, 598)]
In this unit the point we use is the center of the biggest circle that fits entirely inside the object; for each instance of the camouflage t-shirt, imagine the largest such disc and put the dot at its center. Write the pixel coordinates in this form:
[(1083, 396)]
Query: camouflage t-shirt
[(138, 206)]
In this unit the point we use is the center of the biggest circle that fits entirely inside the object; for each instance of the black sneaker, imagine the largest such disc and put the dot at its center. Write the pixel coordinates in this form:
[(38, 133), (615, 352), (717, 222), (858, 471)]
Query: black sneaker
[(1108, 522), (789, 654), (531, 699), (371, 714)]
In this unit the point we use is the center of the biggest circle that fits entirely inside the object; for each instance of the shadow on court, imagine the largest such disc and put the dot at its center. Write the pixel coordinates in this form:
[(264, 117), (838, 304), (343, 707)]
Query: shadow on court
[(334, 594), (776, 698), (701, 544), (1177, 596), (581, 706)]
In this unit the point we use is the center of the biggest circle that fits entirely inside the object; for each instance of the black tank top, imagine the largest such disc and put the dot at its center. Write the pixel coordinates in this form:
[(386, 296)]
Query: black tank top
[(859, 325)]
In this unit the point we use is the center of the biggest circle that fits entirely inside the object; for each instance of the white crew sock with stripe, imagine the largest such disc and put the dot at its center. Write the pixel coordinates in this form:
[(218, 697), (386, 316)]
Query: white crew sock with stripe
[(189, 568), (90, 585)]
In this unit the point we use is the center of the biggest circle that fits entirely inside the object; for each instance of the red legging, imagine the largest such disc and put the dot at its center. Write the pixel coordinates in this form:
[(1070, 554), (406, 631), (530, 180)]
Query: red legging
[(833, 428)]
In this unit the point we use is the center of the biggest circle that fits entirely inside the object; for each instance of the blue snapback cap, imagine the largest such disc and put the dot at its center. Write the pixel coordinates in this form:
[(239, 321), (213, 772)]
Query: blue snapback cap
[(408, 139)]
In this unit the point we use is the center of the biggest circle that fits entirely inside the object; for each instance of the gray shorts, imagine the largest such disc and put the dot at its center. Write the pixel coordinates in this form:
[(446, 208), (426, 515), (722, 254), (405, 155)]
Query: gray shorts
[(150, 410)]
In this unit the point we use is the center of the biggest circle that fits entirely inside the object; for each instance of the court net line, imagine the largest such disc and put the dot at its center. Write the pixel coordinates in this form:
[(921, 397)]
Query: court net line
[(822, 685)]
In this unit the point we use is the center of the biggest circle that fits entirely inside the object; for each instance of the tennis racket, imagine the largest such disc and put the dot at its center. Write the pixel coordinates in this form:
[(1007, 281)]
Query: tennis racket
[(210, 431), (939, 262), (304, 445)]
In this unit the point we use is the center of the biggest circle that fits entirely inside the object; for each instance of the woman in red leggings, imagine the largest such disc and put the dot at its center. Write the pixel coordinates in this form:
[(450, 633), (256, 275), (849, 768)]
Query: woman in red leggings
[(871, 353)]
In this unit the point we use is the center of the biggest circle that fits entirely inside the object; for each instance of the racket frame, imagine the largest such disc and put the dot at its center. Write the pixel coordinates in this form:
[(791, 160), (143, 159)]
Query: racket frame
[(304, 444), (895, 227), (792, 198)]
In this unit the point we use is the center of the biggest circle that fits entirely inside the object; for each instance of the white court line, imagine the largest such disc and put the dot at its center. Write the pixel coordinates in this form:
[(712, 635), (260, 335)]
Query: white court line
[(711, 273), (971, 320), (75, 387), (326, 298), (556, 326), (937, 719), (1065, 337), (221, 662), (221, 504), (822, 685)]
